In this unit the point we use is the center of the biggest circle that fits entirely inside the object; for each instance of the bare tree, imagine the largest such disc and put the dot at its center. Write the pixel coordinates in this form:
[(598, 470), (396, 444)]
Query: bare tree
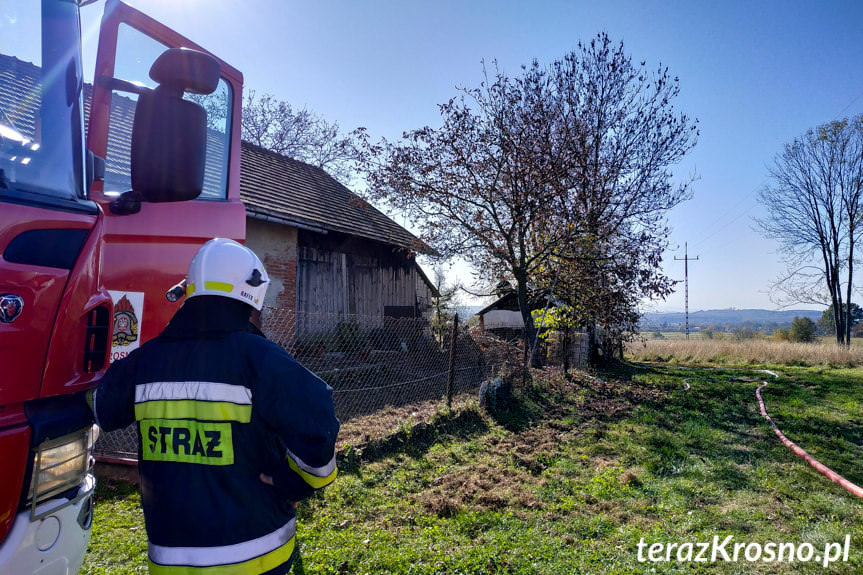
[(443, 304), (620, 189), (482, 185), (300, 134), (525, 168), (814, 210)]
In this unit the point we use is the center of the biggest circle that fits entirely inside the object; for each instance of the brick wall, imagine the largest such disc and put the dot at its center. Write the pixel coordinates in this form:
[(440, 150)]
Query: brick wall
[(276, 245)]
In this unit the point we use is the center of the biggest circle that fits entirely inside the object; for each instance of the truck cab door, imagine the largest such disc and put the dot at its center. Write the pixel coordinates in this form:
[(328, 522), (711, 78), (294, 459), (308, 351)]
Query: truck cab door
[(147, 249)]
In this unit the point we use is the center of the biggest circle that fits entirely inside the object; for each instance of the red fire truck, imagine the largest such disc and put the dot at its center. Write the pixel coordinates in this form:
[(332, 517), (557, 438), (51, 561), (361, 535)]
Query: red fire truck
[(95, 225)]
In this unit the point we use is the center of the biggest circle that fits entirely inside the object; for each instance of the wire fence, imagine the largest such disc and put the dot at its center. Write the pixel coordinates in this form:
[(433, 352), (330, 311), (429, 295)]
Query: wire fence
[(384, 371)]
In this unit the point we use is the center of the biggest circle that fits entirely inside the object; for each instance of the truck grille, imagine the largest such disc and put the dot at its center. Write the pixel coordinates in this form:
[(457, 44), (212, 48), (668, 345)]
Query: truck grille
[(96, 342)]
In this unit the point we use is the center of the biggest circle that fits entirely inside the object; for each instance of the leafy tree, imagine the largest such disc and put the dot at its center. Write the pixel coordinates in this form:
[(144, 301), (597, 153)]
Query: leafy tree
[(300, 134), (557, 178), (815, 210), (781, 334), (481, 184), (802, 330), (827, 322), (620, 189)]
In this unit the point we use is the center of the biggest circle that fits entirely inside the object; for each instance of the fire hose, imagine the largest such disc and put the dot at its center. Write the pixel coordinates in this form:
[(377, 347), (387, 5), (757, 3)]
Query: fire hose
[(820, 467)]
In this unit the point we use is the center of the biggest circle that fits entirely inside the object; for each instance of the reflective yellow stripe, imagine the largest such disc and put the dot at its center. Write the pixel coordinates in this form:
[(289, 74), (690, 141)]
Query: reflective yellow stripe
[(214, 286), (219, 286), (191, 409), (313, 480), (232, 554), (254, 566)]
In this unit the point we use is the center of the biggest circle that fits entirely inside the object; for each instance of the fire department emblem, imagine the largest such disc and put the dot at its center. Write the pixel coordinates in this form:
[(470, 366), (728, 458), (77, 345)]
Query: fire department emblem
[(10, 307), (125, 323)]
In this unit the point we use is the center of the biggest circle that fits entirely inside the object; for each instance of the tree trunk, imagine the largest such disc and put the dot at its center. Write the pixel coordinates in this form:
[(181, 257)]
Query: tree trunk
[(529, 329), (848, 290), (837, 321), (596, 352), (836, 300), (566, 344)]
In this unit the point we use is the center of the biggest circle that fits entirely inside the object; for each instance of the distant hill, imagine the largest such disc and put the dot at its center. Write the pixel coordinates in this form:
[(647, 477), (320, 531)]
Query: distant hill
[(727, 317), (755, 318)]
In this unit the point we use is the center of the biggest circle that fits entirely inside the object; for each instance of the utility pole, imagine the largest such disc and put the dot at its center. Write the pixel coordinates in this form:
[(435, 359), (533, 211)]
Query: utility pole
[(686, 259)]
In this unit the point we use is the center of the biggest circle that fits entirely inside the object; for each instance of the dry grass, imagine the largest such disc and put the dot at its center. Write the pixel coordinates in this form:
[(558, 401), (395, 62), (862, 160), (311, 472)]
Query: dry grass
[(747, 352), (362, 430), (479, 487), (366, 429)]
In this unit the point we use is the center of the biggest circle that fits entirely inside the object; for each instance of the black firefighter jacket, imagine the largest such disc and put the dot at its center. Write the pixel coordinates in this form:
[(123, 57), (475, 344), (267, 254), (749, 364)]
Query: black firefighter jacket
[(216, 405)]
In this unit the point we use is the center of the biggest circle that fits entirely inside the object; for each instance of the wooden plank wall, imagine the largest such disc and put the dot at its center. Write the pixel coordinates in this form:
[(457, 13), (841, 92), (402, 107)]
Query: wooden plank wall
[(335, 286), (425, 298)]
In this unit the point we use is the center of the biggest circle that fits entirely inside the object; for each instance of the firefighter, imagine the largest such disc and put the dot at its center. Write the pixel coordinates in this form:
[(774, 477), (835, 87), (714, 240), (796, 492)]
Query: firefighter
[(232, 430)]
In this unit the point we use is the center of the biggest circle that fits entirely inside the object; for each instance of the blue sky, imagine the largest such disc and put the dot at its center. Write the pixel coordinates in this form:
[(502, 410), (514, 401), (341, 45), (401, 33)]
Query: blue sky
[(755, 75)]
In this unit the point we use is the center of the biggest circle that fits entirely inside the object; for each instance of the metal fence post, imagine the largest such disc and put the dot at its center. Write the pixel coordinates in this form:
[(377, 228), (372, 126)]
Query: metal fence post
[(450, 376)]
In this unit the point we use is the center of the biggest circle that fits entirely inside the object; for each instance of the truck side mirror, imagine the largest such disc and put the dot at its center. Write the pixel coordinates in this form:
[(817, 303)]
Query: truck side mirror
[(169, 134)]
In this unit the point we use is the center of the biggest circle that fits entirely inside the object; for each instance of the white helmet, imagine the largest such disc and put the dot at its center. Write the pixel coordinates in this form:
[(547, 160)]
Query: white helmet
[(226, 268)]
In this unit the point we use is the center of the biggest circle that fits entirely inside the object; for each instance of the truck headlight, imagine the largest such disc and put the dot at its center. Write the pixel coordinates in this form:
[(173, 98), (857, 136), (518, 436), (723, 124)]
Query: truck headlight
[(61, 464)]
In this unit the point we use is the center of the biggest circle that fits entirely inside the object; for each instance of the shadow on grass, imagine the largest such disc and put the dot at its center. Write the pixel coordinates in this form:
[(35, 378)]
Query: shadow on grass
[(711, 428), (515, 411), (109, 489), (521, 408), (416, 440)]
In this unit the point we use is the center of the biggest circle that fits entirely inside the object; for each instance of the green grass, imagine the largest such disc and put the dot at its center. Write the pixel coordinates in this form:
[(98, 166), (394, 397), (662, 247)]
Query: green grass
[(821, 411), (571, 476), (671, 335), (118, 541)]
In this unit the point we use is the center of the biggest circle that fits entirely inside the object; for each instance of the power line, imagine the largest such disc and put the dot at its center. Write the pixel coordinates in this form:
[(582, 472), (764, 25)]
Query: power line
[(848, 106), (734, 209), (737, 215), (686, 259)]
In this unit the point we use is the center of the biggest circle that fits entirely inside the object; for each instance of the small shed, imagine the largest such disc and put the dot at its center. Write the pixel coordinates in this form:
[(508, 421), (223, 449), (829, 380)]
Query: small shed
[(504, 313)]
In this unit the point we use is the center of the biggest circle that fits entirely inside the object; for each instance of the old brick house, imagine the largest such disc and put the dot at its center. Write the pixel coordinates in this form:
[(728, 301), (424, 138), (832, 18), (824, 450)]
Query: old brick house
[(328, 251)]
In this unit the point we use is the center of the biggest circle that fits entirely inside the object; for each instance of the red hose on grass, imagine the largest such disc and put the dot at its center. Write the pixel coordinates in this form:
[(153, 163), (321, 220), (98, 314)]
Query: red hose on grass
[(823, 469)]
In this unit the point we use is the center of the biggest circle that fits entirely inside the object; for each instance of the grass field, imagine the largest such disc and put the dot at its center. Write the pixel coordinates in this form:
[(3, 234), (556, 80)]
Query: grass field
[(572, 476), (749, 352), (702, 335)]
